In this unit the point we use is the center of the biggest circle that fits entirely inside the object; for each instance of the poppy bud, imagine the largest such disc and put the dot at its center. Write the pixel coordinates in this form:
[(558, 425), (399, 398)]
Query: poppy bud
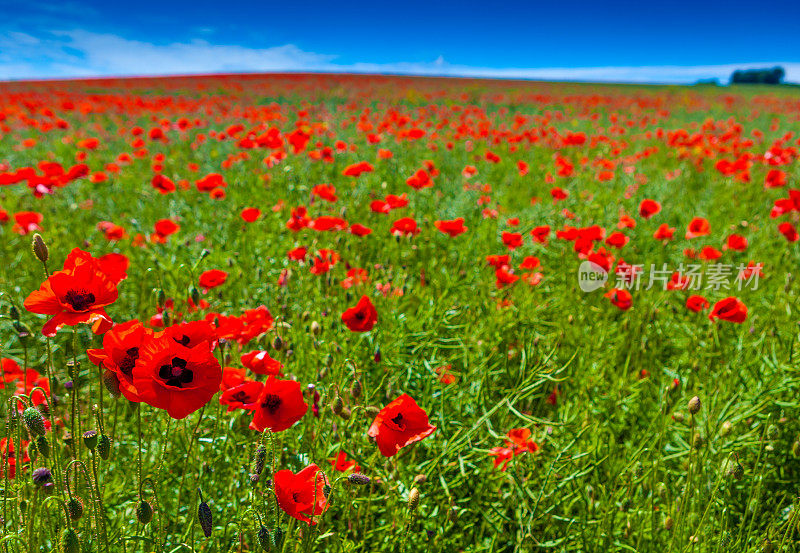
[(420, 479), (204, 517), (735, 471), (698, 441), (75, 508), (326, 490), (111, 382), (70, 542), (668, 524), (725, 429), (277, 343), (194, 293), (345, 414), (413, 499), (42, 477), (161, 299), (356, 389), (259, 458), (694, 405), (23, 332), (377, 356), (104, 447), (34, 421), (90, 439), (166, 319), (263, 538), (13, 312), (40, 248), (43, 446), (337, 405), (371, 411), (315, 328), (277, 537), (329, 360), (144, 512), (359, 479), (796, 448)]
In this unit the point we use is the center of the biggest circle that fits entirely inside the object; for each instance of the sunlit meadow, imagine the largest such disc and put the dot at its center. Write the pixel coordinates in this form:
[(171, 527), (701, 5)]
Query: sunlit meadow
[(384, 314)]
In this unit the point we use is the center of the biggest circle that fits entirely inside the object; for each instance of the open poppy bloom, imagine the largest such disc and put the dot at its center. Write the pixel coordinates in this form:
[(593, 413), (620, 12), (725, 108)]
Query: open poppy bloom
[(341, 463), (213, 278), (648, 208), (729, 309), (260, 362), (120, 354), (399, 424), (175, 377), (362, 317), (452, 228), (77, 294), (696, 303), (697, 227), (242, 396), (301, 495), (620, 297), (279, 406)]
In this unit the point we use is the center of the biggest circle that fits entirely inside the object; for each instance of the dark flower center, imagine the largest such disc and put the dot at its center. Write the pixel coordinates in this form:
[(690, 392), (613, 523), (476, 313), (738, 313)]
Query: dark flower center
[(129, 361), (271, 403), (360, 315), (80, 300), (398, 421), (176, 374), (184, 340), (239, 396)]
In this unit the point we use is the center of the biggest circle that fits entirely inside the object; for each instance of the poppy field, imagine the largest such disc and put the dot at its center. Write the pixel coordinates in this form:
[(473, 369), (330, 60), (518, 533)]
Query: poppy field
[(370, 313)]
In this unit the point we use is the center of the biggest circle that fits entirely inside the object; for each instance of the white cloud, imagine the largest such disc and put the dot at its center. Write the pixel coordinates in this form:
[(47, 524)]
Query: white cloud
[(79, 53)]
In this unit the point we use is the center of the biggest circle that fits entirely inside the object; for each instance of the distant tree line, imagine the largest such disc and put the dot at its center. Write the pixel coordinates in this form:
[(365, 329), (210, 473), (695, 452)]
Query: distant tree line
[(758, 76)]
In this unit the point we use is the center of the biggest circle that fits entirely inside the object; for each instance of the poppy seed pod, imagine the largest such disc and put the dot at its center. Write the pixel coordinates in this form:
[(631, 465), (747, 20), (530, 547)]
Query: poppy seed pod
[(413, 499), (40, 248), (144, 512), (75, 508), (277, 343), (104, 447), (263, 538), (204, 517), (694, 405), (668, 524), (70, 542), (90, 439), (34, 421)]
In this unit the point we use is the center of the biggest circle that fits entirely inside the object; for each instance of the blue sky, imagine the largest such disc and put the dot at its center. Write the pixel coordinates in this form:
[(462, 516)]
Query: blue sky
[(599, 41)]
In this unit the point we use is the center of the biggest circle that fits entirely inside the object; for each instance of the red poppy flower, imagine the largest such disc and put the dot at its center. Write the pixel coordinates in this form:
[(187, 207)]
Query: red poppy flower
[(452, 228), (540, 234), (620, 297), (406, 226), (698, 227), (279, 406), (360, 230), (325, 191), (664, 232), (512, 240), (328, 223), (729, 309), (696, 303), (648, 208), (362, 317), (341, 463), (27, 221), (120, 354), (174, 377), (789, 232), (736, 242), (213, 278), (163, 184), (77, 294), (357, 169), (504, 277), (242, 396), (708, 253), (301, 495), (163, 229), (250, 214), (399, 424), (617, 240), (260, 362), (775, 179), (396, 202)]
